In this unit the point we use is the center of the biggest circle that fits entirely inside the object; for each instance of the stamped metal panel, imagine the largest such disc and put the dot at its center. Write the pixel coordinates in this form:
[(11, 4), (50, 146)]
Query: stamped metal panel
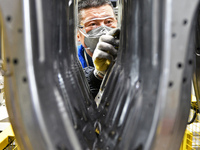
[(149, 105), (15, 73), (43, 75), (146, 102), (196, 79), (175, 81)]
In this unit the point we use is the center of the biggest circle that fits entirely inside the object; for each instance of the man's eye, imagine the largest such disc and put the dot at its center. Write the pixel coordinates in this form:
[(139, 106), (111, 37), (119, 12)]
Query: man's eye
[(109, 21), (92, 24)]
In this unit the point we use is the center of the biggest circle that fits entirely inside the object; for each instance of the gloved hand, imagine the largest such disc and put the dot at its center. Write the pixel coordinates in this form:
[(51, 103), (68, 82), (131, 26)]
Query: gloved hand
[(105, 52)]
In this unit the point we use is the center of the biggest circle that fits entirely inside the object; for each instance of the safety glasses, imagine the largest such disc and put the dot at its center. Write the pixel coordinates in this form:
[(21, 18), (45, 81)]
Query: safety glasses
[(91, 24)]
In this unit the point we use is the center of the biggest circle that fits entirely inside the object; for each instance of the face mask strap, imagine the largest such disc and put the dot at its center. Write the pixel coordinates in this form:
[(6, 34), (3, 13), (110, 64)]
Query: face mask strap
[(85, 34), (88, 48)]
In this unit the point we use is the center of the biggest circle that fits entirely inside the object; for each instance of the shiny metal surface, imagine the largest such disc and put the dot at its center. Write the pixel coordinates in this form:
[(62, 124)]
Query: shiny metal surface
[(146, 102), (196, 75), (175, 102), (149, 106), (38, 92)]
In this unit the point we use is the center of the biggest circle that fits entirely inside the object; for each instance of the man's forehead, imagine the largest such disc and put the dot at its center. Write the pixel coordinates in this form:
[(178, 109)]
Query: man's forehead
[(97, 12)]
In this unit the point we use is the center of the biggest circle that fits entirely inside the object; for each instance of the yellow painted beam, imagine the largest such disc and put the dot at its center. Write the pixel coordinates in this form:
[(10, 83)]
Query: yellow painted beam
[(6, 137)]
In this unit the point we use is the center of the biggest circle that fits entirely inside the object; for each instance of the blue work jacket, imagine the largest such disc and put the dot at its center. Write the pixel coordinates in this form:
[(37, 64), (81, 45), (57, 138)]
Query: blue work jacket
[(84, 57)]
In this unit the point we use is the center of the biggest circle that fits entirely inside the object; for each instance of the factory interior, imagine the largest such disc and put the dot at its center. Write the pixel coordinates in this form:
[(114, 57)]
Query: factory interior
[(149, 98)]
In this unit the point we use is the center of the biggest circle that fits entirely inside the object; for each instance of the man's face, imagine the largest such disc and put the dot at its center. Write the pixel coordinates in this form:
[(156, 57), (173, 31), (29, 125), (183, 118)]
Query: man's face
[(95, 17)]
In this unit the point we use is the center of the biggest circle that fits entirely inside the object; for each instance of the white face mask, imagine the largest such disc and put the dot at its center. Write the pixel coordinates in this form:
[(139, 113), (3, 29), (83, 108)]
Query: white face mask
[(92, 37)]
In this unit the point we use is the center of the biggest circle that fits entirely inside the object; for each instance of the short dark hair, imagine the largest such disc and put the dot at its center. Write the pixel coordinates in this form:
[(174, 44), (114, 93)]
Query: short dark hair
[(85, 4)]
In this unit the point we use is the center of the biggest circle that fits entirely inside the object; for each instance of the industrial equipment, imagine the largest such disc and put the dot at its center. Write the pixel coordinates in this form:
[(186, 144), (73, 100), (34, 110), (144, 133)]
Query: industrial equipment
[(146, 101)]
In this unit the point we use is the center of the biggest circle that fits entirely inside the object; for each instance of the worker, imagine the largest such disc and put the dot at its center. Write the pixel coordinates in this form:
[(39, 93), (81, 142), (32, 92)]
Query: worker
[(97, 30)]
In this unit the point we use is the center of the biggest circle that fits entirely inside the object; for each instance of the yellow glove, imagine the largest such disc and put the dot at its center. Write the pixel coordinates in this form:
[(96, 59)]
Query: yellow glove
[(102, 64), (106, 51)]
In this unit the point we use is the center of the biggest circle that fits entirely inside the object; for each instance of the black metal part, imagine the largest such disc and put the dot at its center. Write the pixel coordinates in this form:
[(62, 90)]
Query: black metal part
[(60, 75), (196, 60), (54, 109)]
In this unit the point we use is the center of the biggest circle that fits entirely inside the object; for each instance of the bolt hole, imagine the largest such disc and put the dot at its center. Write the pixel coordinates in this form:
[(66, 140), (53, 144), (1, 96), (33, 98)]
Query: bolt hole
[(24, 79), (185, 22), (173, 35), (8, 18), (179, 65), (19, 30), (184, 80), (190, 62), (171, 84), (15, 61)]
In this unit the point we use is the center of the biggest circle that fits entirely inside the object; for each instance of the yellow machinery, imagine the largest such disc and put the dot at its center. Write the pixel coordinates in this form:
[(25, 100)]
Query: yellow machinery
[(7, 139), (191, 139)]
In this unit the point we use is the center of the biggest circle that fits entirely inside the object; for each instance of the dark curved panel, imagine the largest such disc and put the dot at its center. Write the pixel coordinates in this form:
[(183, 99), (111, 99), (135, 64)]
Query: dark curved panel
[(145, 103)]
